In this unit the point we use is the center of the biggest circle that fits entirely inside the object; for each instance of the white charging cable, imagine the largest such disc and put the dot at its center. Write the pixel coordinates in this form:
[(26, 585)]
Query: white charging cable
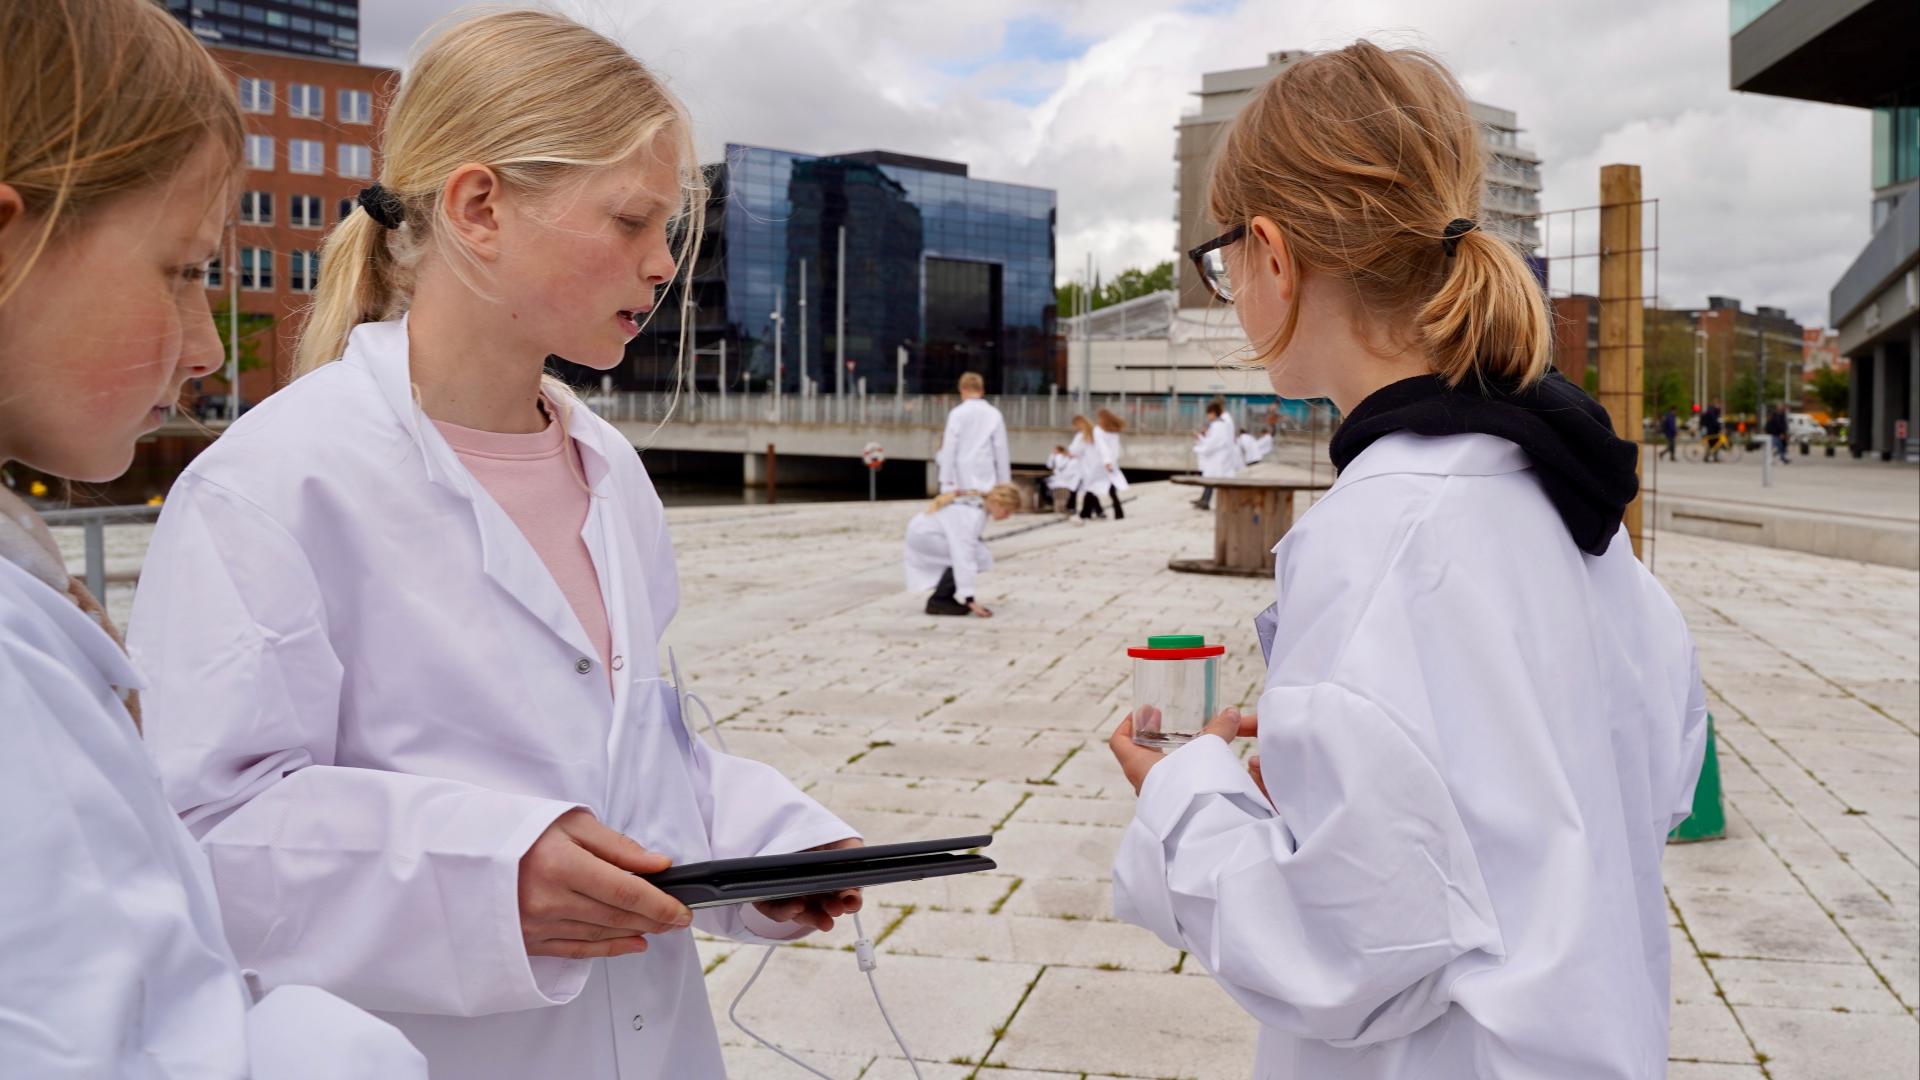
[(862, 947)]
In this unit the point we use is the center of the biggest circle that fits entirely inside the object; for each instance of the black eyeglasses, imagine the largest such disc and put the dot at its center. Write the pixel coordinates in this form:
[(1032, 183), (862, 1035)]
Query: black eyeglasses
[(1211, 261)]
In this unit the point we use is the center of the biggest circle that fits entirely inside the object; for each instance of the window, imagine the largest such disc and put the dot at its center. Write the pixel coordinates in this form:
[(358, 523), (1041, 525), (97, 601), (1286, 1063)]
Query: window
[(306, 101), (277, 19), (348, 33), (256, 208), (260, 152), (213, 278), (355, 161), (302, 24), (256, 95), (323, 7), (303, 211), (275, 37), (256, 269), (346, 207), (230, 8), (253, 14), (356, 107), (303, 271), (306, 156)]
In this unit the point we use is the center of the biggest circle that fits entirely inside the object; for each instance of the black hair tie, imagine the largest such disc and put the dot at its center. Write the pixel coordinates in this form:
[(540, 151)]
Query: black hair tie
[(1457, 228), (382, 206)]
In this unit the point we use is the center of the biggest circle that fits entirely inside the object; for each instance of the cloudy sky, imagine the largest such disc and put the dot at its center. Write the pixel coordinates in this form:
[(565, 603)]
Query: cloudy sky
[(1760, 198)]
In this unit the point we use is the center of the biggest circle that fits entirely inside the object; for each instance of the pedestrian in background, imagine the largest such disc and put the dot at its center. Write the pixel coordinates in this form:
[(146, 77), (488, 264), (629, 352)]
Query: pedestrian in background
[(973, 449), (1106, 440)]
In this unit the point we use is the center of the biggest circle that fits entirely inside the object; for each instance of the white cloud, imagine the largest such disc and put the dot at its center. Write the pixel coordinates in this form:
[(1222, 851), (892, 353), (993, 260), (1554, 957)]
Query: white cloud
[(1761, 198)]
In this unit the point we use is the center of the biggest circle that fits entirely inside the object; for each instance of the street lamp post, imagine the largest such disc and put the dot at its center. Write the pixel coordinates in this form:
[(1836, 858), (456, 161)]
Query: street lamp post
[(779, 367)]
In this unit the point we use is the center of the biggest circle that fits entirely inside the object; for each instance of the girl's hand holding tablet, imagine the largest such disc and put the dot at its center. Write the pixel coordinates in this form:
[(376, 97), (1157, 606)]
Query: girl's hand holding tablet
[(579, 897), (816, 911)]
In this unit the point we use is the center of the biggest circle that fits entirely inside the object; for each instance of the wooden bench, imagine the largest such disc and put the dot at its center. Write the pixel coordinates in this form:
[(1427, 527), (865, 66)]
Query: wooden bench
[(1024, 479), (1250, 515)]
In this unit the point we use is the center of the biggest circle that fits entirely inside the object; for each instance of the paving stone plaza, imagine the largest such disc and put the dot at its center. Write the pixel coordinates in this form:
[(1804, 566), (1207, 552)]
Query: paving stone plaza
[(1796, 939)]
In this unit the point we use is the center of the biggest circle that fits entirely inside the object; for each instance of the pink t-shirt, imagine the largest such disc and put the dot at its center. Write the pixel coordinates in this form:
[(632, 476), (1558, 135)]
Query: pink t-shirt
[(537, 480)]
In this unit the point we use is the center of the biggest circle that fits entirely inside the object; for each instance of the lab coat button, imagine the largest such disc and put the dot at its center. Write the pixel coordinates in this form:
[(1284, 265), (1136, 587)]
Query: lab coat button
[(639, 1021), (583, 665), (619, 662)]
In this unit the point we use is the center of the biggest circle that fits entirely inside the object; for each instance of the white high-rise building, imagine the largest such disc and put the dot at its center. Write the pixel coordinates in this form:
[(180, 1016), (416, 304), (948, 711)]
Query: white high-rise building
[(1510, 206)]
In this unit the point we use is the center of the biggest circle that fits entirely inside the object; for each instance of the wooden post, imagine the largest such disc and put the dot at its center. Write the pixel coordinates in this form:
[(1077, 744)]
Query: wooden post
[(1622, 315)]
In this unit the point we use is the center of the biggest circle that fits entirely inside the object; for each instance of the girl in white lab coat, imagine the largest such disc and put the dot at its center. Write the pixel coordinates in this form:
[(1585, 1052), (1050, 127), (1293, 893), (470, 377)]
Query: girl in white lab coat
[(1217, 449), (1061, 477), (944, 551), (1090, 480), (119, 153), (1106, 441), (403, 618), (1481, 713)]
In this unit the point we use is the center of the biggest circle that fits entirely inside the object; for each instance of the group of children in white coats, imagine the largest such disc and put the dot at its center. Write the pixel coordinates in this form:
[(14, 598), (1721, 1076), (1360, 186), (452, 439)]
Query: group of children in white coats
[(369, 794), (1088, 467)]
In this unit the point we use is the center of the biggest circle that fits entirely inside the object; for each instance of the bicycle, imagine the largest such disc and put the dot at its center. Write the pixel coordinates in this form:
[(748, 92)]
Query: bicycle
[(1713, 448)]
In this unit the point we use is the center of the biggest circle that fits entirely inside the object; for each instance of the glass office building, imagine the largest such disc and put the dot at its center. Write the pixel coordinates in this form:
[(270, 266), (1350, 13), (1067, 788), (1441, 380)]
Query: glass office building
[(956, 271)]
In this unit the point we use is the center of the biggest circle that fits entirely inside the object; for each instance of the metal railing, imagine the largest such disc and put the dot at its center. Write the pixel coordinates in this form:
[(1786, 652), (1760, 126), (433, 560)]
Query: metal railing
[(93, 522), (1161, 414)]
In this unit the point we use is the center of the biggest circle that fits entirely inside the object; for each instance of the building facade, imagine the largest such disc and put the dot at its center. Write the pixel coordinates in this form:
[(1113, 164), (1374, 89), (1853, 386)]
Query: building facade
[(944, 273), (1576, 336), (312, 126), (329, 29), (1850, 52), (1510, 204), (1734, 350)]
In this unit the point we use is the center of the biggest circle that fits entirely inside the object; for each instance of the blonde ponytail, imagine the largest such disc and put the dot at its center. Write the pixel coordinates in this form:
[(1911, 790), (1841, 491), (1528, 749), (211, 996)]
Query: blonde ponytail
[(359, 282), (1006, 495), (532, 95), (1488, 319), (1362, 158)]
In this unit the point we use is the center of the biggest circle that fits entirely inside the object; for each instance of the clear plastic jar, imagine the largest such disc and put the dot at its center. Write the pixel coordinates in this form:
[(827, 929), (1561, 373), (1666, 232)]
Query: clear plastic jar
[(1173, 689)]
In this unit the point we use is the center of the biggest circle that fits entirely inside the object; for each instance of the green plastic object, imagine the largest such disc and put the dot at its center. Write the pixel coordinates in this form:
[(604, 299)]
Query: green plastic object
[(1709, 819), (1176, 641)]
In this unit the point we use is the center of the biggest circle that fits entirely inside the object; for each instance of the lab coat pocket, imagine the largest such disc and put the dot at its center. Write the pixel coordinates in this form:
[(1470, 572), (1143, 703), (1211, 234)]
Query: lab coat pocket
[(653, 795)]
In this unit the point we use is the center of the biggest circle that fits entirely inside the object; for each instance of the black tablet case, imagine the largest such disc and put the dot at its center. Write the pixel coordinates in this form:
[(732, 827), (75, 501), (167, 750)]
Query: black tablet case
[(806, 873)]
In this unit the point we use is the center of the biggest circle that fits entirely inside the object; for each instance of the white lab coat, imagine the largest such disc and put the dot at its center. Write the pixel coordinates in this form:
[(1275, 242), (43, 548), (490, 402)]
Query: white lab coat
[(370, 698), (1064, 472), (1476, 739), (973, 451), (1253, 449), (112, 961), (1107, 457), (948, 538), (1218, 449)]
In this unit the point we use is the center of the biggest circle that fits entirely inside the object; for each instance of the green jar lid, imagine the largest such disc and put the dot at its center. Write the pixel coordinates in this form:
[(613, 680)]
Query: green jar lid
[(1176, 641)]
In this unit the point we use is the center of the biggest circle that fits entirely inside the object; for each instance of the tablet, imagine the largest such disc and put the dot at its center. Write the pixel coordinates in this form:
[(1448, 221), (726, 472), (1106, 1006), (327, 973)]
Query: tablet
[(806, 873)]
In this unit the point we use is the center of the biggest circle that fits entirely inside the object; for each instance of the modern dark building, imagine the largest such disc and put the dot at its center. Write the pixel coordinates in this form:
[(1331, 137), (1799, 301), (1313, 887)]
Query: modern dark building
[(957, 271), (1859, 53), (323, 28)]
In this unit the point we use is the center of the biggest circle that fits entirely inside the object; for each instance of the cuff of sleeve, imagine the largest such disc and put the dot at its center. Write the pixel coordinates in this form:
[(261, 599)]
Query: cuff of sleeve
[(550, 980), (766, 930), (1205, 766)]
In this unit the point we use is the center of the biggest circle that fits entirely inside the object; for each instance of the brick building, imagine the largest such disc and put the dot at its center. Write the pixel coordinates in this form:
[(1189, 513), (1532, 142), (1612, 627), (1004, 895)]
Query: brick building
[(312, 126), (1576, 336)]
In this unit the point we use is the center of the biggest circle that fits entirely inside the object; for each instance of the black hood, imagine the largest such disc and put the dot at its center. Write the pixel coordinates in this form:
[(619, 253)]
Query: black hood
[(1589, 472)]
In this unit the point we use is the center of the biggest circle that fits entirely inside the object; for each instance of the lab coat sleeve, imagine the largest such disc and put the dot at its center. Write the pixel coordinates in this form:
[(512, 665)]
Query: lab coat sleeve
[(943, 457), (751, 809), (397, 891), (1332, 913), (301, 1033), (1693, 745)]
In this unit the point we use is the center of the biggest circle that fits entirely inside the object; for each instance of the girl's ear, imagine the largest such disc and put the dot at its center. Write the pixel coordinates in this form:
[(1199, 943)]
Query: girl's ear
[(12, 208), (1266, 255), (472, 198)]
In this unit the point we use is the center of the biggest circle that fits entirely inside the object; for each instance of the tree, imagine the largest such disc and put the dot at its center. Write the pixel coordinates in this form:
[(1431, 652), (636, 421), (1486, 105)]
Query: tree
[(1127, 285), (1830, 386), (255, 329)]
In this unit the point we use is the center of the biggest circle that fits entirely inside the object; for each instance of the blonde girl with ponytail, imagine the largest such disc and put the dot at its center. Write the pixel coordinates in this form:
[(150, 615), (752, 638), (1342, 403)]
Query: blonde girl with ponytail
[(119, 159), (1481, 713), (944, 551), (403, 619)]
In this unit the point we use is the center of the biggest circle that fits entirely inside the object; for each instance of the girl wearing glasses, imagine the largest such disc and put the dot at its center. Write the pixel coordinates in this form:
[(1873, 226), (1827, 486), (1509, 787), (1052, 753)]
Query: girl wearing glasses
[(1482, 714)]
